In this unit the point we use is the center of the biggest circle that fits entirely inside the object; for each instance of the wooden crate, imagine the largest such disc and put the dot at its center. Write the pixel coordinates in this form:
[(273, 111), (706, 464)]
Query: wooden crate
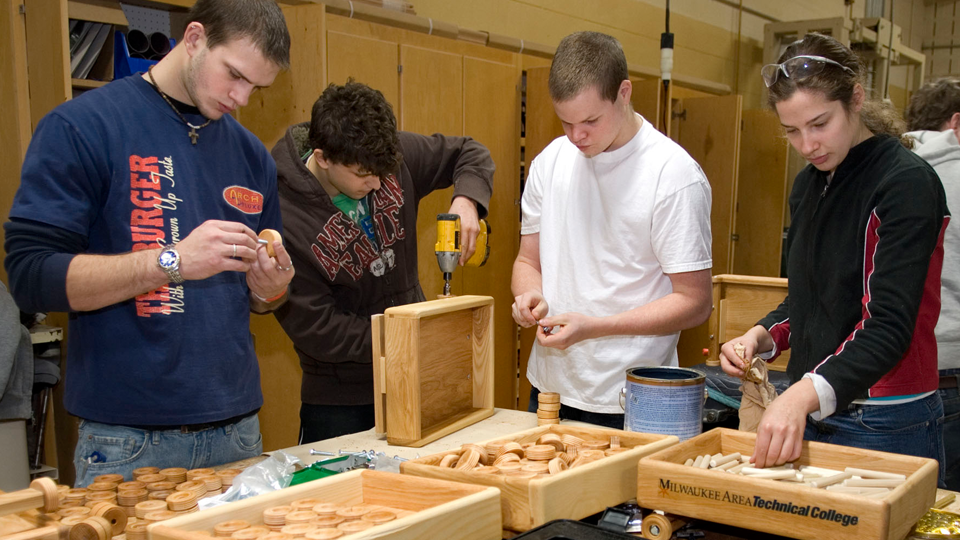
[(784, 508), (432, 368), (443, 509), (572, 494), (739, 302)]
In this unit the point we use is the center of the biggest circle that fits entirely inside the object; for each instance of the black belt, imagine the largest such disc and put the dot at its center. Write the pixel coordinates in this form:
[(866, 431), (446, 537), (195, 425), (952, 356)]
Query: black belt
[(948, 381), (193, 428)]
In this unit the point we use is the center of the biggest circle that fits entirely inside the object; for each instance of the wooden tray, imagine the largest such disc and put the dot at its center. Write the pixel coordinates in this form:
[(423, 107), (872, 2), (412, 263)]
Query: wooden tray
[(443, 509), (432, 368), (572, 494), (789, 509)]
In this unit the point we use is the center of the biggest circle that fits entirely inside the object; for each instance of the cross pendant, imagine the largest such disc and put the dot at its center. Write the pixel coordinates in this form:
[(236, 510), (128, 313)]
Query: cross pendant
[(193, 135)]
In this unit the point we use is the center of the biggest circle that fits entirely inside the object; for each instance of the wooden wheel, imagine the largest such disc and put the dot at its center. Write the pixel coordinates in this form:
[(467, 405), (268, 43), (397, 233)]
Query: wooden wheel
[(660, 527)]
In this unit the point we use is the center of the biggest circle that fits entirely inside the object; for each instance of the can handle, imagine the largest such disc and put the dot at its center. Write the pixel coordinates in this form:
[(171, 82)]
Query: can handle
[(623, 399)]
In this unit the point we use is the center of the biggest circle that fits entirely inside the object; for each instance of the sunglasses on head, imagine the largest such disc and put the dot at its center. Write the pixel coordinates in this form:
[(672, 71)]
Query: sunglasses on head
[(798, 68)]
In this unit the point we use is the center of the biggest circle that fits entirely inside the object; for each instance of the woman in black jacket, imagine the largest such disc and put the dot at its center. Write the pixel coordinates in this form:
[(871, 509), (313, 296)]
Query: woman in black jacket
[(865, 250)]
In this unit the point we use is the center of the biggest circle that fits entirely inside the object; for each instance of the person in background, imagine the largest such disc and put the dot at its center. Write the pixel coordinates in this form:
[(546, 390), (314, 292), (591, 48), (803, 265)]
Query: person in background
[(865, 250), (615, 239), (137, 212), (350, 185), (933, 118)]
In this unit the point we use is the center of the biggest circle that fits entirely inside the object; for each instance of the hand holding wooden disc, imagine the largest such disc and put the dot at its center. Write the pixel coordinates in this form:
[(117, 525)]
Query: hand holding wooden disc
[(271, 236)]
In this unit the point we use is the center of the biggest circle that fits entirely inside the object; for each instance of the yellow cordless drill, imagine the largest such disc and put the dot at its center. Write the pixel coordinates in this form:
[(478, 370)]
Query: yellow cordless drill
[(448, 247)]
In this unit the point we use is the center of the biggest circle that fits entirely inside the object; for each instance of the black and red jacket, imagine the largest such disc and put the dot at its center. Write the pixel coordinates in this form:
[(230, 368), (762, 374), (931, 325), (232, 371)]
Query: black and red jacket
[(864, 258)]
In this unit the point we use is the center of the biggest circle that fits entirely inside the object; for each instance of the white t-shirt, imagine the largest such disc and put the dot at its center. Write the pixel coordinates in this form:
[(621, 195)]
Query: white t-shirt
[(611, 227)]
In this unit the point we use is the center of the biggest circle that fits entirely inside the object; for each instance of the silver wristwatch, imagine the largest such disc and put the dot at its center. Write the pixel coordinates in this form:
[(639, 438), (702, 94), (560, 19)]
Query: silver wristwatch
[(169, 262)]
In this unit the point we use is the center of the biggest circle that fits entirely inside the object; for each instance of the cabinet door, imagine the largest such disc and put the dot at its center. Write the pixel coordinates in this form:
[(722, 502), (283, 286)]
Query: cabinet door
[(491, 98), (709, 130), (647, 100), (370, 61), (15, 102), (762, 190), (431, 101)]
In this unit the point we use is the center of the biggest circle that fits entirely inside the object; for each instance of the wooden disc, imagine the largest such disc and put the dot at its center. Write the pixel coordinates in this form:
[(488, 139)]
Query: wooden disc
[(468, 460), (486, 469), (276, 515), (541, 452), (324, 534), (181, 500), (226, 476), (73, 520), (159, 515), (151, 478), (548, 407), (596, 444), (658, 527), (102, 496), (298, 529), (275, 536), (103, 486), (194, 473), (354, 526), (300, 516), (326, 509), (91, 528), (305, 504), (115, 516), (142, 508), (536, 467), (51, 495), (136, 531), (557, 465), (134, 484), (379, 516), (163, 485), (548, 397), (449, 460), (271, 236), (140, 471), (327, 521), (159, 495), (251, 533), (511, 448), (75, 511), (193, 486), (175, 474), (481, 451), (351, 513), (227, 528), (114, 478), (504, 458), (571, 440)]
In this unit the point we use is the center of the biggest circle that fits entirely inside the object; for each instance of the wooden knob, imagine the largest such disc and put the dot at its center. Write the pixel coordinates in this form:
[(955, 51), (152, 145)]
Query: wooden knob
[(115, 516)]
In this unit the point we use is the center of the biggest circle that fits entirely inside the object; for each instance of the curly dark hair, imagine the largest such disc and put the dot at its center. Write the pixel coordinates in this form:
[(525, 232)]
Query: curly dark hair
[(354, 125), (934, 104)]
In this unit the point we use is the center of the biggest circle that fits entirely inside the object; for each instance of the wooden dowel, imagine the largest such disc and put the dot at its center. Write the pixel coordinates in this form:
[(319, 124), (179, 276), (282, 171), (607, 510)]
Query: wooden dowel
[(866, 473), (873, 482), (945, 501), (734, 457), (830, 480)]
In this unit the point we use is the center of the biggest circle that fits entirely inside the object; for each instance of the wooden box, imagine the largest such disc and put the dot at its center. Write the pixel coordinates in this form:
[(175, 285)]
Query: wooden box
[(572, 494), (432, 368), (786, 508), (739, 302), (442, 509)]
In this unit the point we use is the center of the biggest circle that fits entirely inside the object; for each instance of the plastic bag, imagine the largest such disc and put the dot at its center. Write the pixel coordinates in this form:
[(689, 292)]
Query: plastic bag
[(271, 474)]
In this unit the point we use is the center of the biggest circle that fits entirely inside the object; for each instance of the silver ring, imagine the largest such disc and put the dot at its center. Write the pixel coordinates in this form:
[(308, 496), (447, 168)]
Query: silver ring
[(234, 250), (282, 269)]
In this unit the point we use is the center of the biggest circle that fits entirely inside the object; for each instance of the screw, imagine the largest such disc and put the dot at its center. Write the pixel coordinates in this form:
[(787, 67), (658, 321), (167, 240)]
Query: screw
[(320, 453), (655, 530)]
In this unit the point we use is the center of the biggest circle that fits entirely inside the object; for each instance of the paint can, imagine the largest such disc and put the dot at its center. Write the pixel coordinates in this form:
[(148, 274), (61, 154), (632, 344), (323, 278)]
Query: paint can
[(665, 400)]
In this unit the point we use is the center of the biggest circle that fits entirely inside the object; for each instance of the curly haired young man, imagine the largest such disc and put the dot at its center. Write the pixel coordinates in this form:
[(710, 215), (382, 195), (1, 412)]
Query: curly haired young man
[(350, 185)]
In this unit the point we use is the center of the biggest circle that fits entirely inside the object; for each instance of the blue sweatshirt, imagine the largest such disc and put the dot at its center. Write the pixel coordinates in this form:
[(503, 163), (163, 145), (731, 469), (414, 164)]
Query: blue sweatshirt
[(116, 169)]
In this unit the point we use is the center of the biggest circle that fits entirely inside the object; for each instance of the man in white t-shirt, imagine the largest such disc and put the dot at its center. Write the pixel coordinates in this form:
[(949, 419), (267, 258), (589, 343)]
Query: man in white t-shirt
[(615, 253)]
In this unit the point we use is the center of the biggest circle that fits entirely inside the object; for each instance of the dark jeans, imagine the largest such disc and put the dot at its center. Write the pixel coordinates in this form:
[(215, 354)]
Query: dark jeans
[(914, 428), (571, 413), (322, 422), (951, 430)]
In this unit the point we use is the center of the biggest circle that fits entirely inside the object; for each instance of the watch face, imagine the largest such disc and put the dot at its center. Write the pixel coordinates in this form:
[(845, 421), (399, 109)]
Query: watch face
[(168, 258)]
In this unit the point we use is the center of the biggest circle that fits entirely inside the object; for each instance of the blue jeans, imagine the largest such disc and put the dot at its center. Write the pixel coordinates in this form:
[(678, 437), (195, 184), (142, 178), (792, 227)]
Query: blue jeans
[(567, 412), (107, 448), (951, 430), (914, 428)]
